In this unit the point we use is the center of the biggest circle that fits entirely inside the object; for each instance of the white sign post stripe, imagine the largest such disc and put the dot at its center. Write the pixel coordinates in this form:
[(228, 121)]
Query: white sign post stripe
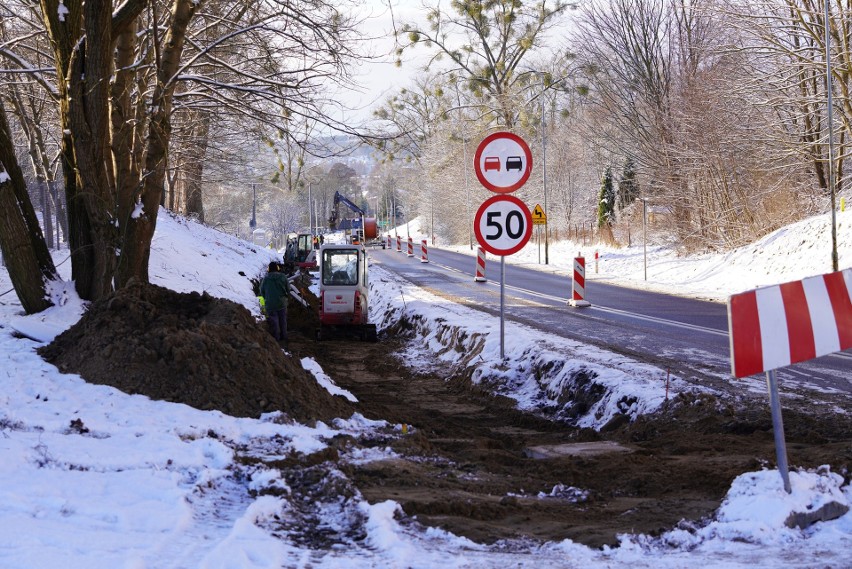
[(826, 339), (773, 327)]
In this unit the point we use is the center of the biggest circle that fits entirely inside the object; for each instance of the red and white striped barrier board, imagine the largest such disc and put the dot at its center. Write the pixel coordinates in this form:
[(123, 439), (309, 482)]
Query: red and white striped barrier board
[(793, 322), (480, 265), (410, 247), (389, 242), (424, 252), (398, 244), (578, 287)]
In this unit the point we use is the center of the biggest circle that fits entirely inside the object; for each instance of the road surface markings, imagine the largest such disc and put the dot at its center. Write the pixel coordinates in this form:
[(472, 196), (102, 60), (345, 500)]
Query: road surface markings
[(599, 308)]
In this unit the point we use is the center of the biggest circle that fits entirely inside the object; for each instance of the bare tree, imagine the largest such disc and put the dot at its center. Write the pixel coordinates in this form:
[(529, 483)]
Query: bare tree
[(411, 116), (123, 81), (21, 241), (787, 43), (35, 113), (485, 42), (628, 59), (669, 94)]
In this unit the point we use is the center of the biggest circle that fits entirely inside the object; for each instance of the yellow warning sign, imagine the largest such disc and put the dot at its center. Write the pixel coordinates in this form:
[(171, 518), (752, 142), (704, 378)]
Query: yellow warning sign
[(538, 215)]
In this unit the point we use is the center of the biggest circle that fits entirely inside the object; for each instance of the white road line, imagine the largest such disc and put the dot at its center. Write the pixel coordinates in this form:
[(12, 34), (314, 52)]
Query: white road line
[(564, 300), (723, 334), (841, 355)]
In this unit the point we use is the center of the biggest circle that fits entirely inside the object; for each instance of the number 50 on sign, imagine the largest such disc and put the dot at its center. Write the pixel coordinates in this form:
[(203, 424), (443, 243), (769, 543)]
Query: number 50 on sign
[(503, 225)]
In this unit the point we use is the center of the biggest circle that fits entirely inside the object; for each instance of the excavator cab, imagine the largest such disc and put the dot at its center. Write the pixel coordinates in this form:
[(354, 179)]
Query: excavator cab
[(300, 253)]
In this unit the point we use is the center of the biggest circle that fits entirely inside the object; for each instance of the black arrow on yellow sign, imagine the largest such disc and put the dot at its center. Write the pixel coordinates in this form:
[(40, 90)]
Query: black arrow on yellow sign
[(538, 215)]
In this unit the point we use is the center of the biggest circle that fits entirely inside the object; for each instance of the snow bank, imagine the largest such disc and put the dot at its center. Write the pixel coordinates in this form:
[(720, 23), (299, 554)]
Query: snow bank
[(569, 380)]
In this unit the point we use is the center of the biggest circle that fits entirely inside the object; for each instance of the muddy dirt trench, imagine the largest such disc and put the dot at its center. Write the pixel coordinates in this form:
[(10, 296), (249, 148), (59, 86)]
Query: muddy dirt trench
[(475, 466)]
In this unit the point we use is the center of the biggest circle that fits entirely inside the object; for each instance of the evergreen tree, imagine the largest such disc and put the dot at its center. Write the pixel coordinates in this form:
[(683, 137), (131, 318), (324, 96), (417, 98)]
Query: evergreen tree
[(606, 201), (628, 188)]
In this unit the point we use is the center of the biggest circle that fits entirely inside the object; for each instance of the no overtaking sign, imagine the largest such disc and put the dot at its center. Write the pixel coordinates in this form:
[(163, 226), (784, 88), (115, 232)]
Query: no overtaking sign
[(503, 162)]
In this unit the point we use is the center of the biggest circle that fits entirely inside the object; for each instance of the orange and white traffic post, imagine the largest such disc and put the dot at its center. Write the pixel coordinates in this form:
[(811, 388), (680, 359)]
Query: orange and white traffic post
[(480, 266), (578, 287)]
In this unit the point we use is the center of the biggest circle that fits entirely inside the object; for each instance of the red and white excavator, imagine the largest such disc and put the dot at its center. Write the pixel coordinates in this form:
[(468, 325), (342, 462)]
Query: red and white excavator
[(344, 291)]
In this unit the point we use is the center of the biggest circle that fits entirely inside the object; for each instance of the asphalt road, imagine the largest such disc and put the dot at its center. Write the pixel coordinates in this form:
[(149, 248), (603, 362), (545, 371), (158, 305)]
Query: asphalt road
[(686, 336)]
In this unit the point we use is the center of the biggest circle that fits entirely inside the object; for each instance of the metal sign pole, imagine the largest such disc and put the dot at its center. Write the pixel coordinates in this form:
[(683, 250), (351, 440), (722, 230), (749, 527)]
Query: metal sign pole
[(503, 163), (778, 429), (830, 119), (502, 306), (645, 236)]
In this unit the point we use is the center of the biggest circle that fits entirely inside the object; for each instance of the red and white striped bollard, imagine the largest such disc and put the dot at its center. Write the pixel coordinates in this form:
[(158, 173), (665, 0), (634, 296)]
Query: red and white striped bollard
[(578, 288), (398, 244), (410, 247), (480, 266), (424, 252)]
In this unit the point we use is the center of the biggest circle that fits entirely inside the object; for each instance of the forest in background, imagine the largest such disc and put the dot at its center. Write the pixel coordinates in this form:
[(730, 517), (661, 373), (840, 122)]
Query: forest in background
[(710, 113)]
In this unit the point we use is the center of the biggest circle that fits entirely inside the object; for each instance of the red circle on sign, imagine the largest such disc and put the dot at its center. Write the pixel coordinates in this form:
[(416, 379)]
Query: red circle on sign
[(498, 224), (503, 163)]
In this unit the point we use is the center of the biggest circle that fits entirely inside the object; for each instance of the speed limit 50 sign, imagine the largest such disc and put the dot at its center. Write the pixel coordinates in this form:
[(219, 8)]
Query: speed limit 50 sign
[(503, 225)]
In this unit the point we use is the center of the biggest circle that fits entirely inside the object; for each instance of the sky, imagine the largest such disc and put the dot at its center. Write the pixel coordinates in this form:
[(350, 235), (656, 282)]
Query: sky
[(378, 76), (147, 487)]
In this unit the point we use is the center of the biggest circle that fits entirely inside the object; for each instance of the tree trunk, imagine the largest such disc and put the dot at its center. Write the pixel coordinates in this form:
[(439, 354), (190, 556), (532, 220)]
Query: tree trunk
[(46, 213), (31, 127), (91, 70), (139, 232), (21, 240), (64, 34), (125, 160), (59, 211), (193, 171), (89, 195)]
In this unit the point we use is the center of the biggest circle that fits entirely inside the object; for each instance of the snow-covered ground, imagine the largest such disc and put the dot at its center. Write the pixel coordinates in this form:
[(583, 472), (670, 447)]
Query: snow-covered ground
[(94, 478)]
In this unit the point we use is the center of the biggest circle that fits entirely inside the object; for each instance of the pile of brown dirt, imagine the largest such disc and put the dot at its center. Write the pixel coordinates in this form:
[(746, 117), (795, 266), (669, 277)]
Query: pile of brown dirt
[(191, 348)]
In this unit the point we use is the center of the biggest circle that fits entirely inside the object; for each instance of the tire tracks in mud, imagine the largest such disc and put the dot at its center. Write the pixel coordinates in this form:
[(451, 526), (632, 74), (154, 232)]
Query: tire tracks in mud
[(467, 461)]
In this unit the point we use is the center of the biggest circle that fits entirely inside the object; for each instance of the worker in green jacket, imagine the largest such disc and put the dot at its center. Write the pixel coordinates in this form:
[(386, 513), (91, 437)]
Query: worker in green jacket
[(275, 290)]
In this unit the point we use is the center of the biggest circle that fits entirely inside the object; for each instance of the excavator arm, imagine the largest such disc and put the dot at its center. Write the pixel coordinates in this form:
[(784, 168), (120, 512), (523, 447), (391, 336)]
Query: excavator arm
[(335, 212)]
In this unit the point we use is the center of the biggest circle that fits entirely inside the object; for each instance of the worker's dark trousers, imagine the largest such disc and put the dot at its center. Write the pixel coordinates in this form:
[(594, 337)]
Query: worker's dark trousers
[(278, 323)]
